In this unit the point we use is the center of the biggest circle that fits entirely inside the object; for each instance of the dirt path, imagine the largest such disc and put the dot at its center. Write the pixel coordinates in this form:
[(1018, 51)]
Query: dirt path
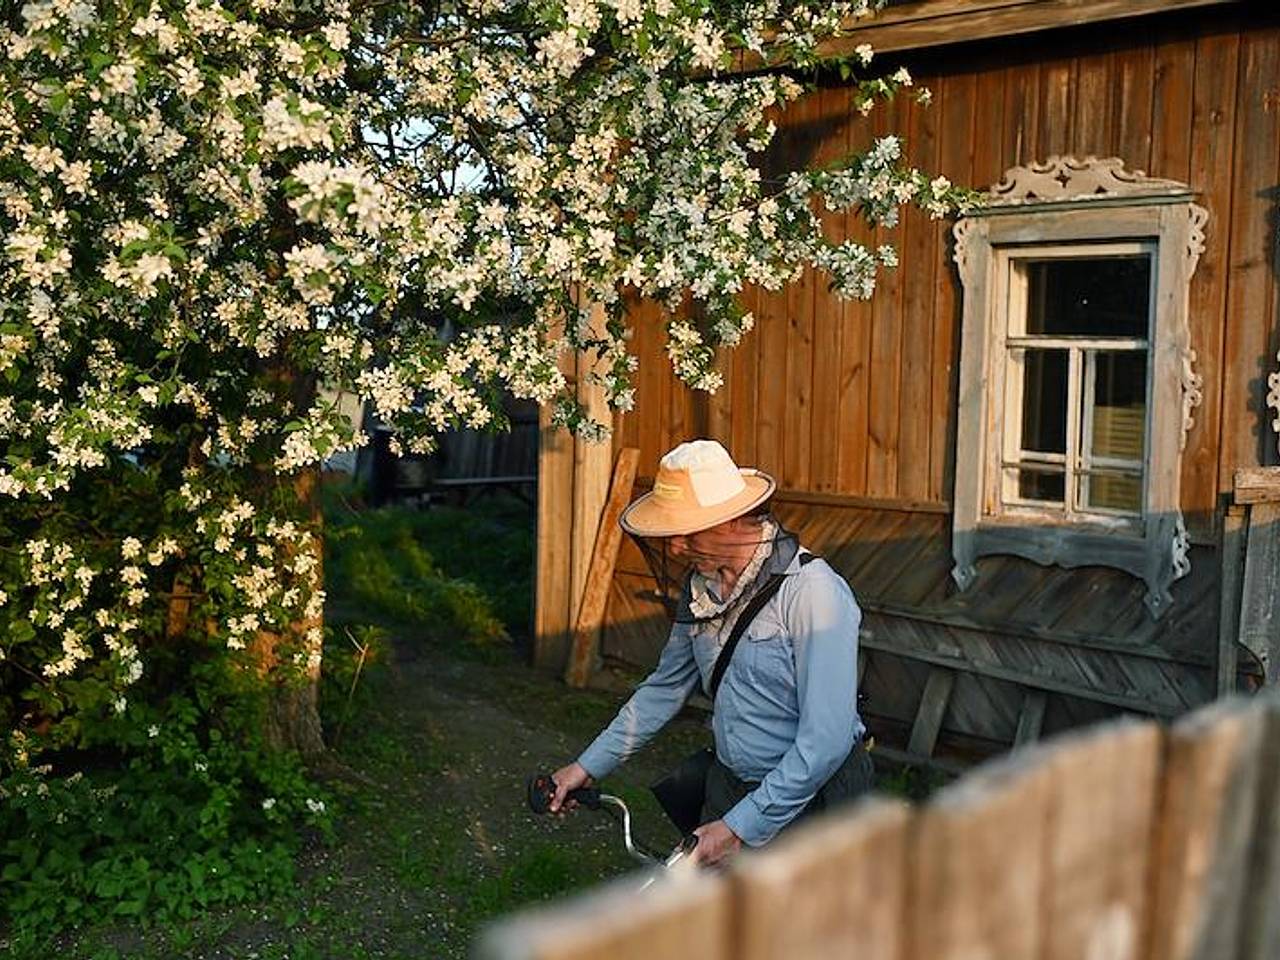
[(447, 836)]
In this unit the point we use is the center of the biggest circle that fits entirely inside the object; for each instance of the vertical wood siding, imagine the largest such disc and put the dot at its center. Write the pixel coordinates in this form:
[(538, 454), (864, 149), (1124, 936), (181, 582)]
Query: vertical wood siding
[(859, 398)]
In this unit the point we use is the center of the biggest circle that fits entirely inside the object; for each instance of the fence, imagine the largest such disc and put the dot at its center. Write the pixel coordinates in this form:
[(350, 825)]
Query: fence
[(1130, 841)]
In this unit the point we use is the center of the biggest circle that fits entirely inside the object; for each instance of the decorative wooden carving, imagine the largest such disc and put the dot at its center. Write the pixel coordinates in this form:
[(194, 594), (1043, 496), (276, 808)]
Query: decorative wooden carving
[(1065, 200), (1067, 178), (1192, 394), (1273, 401)]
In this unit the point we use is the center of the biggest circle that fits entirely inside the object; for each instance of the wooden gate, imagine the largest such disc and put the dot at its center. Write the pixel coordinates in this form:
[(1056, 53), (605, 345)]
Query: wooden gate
[(1129, 841)]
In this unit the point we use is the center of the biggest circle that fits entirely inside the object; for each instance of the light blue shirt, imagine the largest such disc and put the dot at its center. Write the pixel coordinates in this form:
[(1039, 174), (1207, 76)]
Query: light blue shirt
[(786, 714)]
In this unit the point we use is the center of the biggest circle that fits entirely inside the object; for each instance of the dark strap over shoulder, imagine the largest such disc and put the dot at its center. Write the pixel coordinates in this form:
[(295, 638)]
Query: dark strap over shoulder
[(753, 607)]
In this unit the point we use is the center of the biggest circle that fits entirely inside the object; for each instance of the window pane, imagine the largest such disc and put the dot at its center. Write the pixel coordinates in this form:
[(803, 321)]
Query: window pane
[(1088, 296), (1044, 401), (1120, 404), (1112, 491), (1043, 485)]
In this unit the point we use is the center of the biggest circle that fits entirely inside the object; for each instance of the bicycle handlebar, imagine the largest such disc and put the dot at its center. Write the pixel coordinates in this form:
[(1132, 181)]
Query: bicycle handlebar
[(542, 788)]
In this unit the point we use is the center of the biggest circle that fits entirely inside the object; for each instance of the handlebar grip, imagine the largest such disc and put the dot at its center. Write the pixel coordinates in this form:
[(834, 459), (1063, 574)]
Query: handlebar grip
[(542, 788), (589, 797)]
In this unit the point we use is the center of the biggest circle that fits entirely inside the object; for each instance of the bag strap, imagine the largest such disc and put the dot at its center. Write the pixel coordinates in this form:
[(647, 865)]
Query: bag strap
[(753, 607)]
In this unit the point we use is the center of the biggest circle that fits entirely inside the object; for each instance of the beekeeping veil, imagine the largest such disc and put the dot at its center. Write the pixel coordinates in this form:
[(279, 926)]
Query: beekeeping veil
[(697, 487)]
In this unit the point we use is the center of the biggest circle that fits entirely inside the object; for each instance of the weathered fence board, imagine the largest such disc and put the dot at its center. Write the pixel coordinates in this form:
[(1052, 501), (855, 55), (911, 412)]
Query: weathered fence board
[(834, 891), (1207, 817), (1260, 918), (1104, 792), (689, 917), (1130, 841), (978, 871)]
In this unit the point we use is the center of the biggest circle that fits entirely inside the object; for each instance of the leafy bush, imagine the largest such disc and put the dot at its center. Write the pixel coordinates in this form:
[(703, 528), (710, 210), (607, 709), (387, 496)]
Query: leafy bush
[(193, 815)]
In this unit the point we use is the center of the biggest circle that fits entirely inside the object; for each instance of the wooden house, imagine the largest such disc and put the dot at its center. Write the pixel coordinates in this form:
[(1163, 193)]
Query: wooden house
[(1040, 453)]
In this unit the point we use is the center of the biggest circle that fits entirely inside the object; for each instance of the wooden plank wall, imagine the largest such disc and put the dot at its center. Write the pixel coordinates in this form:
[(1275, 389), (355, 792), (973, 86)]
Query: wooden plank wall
[(859, 398), (1129, 841)]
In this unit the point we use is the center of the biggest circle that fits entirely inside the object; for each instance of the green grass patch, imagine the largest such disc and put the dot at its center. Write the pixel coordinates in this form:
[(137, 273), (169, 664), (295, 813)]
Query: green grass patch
[(453, 575)]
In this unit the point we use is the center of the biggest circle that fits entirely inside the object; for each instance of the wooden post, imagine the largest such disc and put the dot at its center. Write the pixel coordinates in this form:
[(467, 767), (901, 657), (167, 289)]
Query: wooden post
[(554, 541), (1260, 595), (933, 707), (1233, 534), (592, 463), (586, 632), (573, 481)]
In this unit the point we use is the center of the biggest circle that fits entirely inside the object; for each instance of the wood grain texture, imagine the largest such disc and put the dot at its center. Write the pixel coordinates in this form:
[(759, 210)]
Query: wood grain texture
[(691, 917), (958, 103), (592, 463), (591, 610), (920, 238), (833, 891), (970, 897), (1257, 485), (886, 347), (742, 384), (1213, 138), (933, 707), (1207, 818), (1260, 590), (1260, 933), (795, 364), (943, 22), (1234, 533), (1132, 102), (553, 608), (1101, 817), (1248, 340), (828, 316)]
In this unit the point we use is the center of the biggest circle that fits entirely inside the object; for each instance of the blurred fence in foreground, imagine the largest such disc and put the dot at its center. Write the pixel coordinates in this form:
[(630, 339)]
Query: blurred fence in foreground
[(1128, 841)]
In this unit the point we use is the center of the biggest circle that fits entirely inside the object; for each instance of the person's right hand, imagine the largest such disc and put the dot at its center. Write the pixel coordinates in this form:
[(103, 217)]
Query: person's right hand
[(567, 778)]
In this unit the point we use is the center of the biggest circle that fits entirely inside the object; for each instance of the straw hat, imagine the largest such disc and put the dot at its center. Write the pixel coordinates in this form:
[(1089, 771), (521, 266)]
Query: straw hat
[(698, 486)]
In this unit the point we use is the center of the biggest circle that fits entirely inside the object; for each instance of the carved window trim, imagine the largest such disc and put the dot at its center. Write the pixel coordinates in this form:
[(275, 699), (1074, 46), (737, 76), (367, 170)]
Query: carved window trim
[(1069, 201)]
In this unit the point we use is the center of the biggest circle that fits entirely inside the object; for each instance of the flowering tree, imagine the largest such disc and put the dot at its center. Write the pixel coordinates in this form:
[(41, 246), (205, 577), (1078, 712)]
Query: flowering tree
[(208, 208)]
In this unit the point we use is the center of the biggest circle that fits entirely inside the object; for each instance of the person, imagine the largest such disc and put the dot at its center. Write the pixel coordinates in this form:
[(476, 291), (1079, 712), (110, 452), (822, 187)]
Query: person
[(788, 737)]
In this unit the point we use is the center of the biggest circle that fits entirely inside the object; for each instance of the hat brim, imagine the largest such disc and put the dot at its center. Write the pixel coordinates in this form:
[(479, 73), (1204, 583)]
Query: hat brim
[(649, 517)]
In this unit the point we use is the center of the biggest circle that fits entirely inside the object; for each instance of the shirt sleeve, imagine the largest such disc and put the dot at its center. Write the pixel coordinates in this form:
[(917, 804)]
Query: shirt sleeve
[(823, 621), (658, 698)]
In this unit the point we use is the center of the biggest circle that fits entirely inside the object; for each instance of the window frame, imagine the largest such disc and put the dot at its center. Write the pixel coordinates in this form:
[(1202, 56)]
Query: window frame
[(1081, 351), (1076, 205)]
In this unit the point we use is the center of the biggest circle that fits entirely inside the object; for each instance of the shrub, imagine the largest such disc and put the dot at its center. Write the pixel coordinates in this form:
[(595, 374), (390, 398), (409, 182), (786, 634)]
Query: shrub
[(191, 816)]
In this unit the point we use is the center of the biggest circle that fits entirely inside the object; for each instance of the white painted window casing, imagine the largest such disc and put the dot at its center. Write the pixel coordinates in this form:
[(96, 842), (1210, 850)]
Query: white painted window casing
[(1039, 217)]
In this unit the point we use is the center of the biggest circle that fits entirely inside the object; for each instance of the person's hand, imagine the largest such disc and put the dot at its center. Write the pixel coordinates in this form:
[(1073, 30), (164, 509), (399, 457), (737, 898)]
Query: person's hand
[(716, 843), (568, 778)]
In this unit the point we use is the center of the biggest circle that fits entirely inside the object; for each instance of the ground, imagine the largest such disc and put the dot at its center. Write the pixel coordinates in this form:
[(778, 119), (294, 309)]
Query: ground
[(434, 836)]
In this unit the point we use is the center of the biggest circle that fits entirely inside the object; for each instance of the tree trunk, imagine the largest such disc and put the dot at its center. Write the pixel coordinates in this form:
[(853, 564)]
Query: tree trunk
[(292, 720)]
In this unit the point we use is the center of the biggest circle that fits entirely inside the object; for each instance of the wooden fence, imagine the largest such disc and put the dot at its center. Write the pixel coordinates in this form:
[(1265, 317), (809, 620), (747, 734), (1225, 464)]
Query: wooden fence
[(1129, 841)]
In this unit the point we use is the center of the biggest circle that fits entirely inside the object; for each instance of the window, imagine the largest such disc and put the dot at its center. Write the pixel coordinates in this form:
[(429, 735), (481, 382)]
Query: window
[(1076, 381), (1076, 364)]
